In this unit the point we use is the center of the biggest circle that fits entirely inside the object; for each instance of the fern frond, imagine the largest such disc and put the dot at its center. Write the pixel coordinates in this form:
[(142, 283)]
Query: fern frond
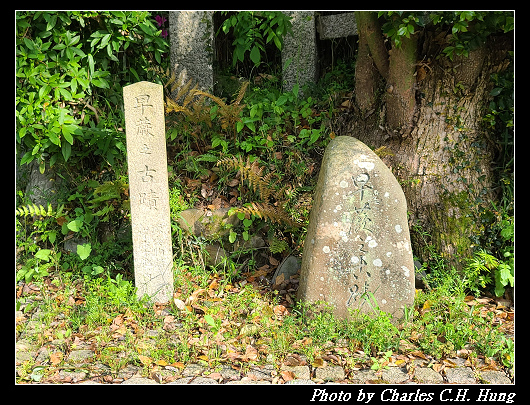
[(262, 184), (241, 93), (268, 211), (231, 162), (34, 210), (191, 94), (215, 99), (192, 105), (278, 245)]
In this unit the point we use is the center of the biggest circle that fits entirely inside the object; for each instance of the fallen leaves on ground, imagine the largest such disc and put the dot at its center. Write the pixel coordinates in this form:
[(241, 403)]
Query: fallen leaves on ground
[(227, 333)]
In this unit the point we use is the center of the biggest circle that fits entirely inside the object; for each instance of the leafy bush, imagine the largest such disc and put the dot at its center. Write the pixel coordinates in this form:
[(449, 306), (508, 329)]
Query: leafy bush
[(70, 69), (469, 29), (254, 29)]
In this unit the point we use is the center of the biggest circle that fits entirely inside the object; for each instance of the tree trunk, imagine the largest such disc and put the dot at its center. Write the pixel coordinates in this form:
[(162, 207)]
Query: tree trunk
[(366, 79), (444, 159), (401, 91)]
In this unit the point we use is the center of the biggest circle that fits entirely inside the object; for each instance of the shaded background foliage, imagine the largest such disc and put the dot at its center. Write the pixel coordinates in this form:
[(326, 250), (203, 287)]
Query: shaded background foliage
[(71, 67), (70, 70)]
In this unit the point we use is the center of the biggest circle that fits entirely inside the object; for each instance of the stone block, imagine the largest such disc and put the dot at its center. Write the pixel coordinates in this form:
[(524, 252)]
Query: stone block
[(211, 225), (427, 375), (460, 375), (330, 373), (300, 372), (336, 25)]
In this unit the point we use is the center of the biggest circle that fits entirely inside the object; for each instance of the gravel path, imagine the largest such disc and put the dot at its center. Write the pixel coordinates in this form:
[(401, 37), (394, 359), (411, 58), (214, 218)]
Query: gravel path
[(86, 371)]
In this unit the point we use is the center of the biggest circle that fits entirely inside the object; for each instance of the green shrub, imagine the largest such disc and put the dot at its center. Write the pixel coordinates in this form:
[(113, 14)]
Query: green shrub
[(70, 69), (253, 30)]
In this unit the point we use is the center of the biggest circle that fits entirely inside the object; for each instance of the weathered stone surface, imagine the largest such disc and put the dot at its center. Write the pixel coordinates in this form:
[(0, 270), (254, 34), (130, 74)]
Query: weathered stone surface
[(495, 377), (148, 190), (191, 46), (394, 375), (300, 372), (460, 375), (336, 25), (427, 376), (330, 373), (288, 267), (139, 381), (80, 356), (209, 224), (192, 370), (358, 239), (300, 382), (42, 187), (191, 380), (301, 50)]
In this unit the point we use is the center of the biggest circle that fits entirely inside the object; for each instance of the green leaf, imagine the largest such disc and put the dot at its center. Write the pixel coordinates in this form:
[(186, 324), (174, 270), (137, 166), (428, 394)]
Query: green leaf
[(66, 94), (66, 150), (104, 41), (255, 55), (90, 64), (51, 22), (209, 319), (402, 31), (67, 133), (75, 225), (97, 270), (43, 254), (84, 250), (232, 237), (496, 91)]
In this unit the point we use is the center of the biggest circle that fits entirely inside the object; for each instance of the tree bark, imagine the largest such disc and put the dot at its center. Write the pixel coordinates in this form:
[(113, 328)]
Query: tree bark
[(366, 78), (444, 164), (370, 31), (401, 91)]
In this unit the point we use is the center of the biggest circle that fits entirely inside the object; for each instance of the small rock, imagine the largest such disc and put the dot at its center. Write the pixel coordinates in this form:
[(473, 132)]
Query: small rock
[(73, 376), (80, 356), (288, 267), (246, 380), (460, 375), (228, 373), (139, 380), (330, 373), (214, 254), (71, 244), (128, 371), (300, 382), (394, 375), (427, 375), (300, 372), (209, 224), (362, 376), (265, 373), (191, 380), (192, 370), (495, 377)]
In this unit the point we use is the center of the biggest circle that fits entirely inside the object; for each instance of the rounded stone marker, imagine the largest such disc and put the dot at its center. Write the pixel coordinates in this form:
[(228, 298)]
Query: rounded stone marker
[(357, 249)]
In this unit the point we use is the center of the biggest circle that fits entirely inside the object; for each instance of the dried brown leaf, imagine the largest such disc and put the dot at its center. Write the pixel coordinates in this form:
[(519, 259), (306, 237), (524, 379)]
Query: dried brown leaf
[(287, 375)]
